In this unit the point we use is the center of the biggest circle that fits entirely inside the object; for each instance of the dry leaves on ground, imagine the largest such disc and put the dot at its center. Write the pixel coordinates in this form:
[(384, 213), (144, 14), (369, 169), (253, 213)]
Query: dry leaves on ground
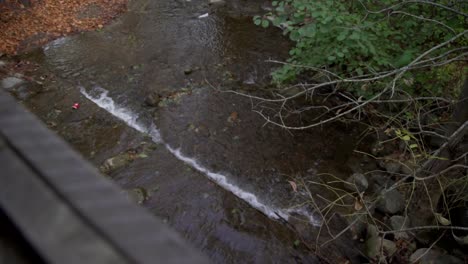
[(24, 27)]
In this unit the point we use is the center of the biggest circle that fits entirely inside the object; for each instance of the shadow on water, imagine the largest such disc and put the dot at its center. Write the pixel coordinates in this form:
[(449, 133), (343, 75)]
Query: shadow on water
[(164, 48)]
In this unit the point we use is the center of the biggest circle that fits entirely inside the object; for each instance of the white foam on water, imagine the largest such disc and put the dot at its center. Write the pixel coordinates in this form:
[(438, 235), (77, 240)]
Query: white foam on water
[(222, 181), (131, 119)]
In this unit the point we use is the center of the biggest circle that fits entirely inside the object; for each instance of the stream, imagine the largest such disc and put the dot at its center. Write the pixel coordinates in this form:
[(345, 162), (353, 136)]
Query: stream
[(198, 157)]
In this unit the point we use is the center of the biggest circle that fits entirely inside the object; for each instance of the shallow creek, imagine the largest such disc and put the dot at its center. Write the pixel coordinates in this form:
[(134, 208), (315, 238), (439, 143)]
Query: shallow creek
[(199, 158)]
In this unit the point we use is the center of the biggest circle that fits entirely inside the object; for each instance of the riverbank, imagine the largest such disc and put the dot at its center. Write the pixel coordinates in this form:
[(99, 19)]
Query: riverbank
[(25, 27)]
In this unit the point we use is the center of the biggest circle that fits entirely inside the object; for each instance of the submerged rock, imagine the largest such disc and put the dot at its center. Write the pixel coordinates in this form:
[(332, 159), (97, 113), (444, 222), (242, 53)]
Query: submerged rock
[(114, 163), (124, 158), (138, 195), (152, 100)]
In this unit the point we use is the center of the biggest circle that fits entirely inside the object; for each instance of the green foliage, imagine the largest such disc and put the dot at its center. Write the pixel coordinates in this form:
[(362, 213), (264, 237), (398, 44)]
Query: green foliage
[(343, 35)]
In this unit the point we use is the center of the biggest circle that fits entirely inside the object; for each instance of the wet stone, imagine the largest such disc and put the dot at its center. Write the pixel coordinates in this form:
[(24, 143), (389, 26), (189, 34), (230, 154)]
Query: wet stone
[(114, 163), (152, 100), (138, 195)]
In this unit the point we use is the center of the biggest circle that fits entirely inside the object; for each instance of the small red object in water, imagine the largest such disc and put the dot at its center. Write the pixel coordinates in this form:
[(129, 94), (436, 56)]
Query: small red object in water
[(76, 106)]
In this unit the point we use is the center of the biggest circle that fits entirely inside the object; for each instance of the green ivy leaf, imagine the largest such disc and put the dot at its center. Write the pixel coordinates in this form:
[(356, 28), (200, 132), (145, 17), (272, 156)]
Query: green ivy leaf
[(257, 20)]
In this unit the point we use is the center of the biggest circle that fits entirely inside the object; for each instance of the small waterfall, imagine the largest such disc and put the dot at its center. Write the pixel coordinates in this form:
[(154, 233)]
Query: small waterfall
[(100, 97)]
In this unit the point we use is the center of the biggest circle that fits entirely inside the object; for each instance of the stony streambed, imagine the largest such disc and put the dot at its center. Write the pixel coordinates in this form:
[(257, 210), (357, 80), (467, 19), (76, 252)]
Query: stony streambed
[(154, 117)]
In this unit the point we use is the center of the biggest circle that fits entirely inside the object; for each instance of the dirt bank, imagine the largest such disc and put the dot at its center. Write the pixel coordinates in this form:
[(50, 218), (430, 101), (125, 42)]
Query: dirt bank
[(23, 27)]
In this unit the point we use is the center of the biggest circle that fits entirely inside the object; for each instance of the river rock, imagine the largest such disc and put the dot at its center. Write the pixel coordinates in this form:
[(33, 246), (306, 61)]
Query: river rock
[(390, 166), (391, 202), (138, 195), (2, 63), (408, 168), (375, 245), (380, 181), (372, 231), (9, 83), (357, 181), (398, 222), (114, 163), (152, 100)]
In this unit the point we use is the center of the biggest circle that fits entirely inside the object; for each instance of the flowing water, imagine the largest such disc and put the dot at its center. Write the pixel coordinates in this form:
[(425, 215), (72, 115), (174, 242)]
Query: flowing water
[(215, 172)]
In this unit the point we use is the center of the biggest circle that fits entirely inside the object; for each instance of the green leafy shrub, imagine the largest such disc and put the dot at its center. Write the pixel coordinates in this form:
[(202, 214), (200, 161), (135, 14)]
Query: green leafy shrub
[(353, 38)]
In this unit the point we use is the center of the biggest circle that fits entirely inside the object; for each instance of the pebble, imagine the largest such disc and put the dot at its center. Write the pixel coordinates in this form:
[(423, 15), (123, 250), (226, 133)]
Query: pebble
[(152, 100)]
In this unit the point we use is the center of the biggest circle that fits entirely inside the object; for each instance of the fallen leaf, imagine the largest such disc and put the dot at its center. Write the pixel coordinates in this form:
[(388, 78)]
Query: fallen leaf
[(442, 220), (293, 185), (233, 117), (142, 155), (297, 243), (358, 205)]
